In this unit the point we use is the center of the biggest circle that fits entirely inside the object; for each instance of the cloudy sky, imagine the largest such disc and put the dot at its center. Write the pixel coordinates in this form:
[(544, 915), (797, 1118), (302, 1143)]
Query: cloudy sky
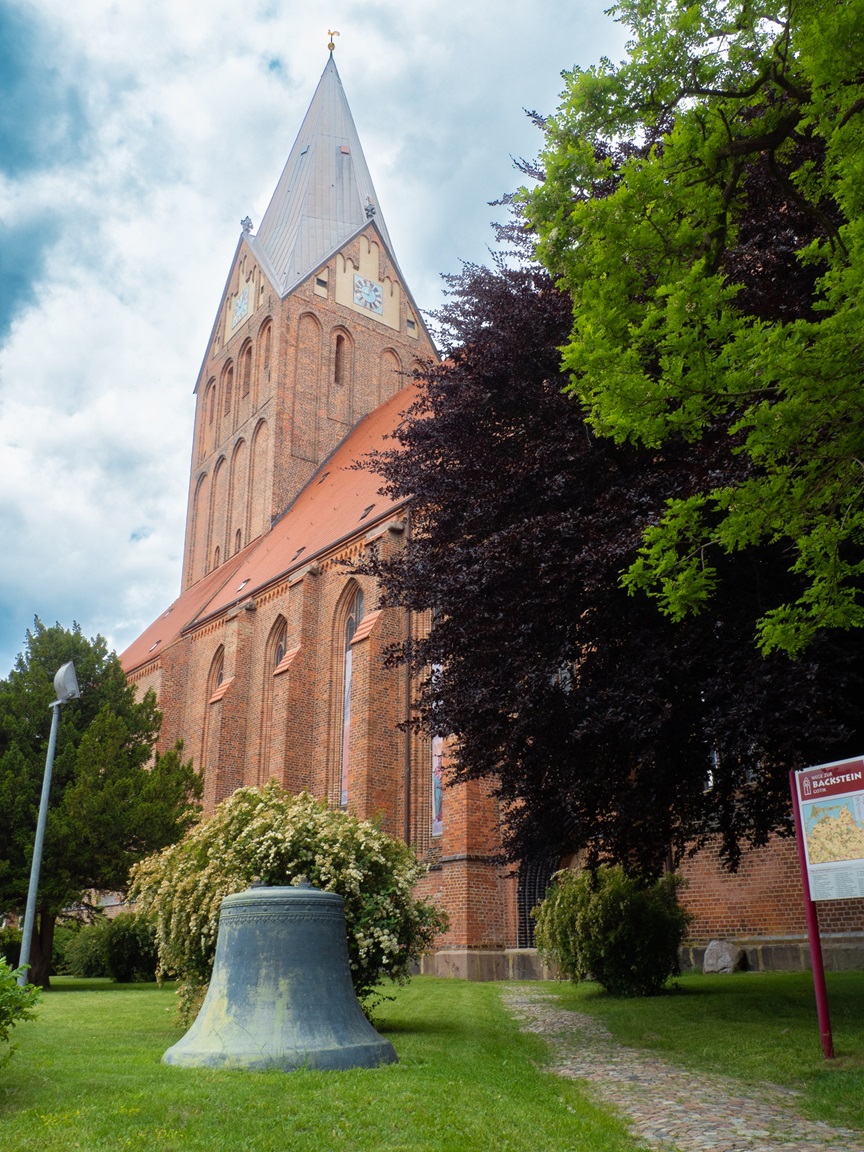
[(134, 137)]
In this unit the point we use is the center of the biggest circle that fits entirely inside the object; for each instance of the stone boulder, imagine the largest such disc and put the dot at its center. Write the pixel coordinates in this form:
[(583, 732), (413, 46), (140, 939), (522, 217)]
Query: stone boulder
[(724, 956)]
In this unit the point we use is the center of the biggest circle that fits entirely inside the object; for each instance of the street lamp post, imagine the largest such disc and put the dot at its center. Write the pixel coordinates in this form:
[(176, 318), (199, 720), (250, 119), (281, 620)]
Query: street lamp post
[(66, 687)]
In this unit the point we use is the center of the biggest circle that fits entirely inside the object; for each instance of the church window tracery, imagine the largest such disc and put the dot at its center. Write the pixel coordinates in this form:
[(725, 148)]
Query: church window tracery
[(280, 644), (352, 618)]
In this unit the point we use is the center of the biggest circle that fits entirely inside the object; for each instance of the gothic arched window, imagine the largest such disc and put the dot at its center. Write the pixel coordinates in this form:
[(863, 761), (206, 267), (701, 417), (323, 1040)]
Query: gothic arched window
[(280, 644), (217, 671), (339, 360), (247, 371), (274, 654), (228, 388), (352, 618), (214, 680)]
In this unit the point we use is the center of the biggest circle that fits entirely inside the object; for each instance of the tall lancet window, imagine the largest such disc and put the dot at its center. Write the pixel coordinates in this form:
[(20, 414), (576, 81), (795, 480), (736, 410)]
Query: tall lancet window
[(353, 618), (247, 370), (339, 360), (277, 646), (227, 388), (214, 681)]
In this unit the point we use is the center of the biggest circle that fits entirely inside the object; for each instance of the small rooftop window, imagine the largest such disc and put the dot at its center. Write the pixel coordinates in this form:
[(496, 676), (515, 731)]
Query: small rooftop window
[(366, 511), (154, 646), (240, 587)]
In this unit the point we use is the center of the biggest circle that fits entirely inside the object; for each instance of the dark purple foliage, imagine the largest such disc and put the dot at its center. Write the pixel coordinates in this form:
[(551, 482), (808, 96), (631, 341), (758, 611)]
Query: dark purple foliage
[(601, 720)]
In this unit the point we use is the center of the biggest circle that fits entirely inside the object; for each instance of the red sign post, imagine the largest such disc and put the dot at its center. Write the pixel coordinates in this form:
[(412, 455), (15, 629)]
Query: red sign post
[(828, 805)]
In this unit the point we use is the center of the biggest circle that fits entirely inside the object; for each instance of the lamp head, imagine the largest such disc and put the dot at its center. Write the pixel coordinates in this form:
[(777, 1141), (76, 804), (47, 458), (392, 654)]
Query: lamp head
[(66, 683)]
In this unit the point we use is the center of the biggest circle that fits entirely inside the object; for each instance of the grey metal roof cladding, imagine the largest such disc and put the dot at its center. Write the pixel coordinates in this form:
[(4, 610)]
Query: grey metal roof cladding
[(324, 192)]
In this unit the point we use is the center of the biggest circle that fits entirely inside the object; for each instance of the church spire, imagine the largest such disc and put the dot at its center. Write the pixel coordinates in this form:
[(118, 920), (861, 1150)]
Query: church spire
[(325, 194)]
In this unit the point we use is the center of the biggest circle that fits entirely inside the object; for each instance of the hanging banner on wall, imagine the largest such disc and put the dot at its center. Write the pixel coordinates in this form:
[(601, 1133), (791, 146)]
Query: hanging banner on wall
[(831, 802)]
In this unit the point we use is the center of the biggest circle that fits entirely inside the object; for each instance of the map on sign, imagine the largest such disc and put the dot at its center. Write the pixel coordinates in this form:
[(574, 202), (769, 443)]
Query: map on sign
[(834, 831), (831, 802)]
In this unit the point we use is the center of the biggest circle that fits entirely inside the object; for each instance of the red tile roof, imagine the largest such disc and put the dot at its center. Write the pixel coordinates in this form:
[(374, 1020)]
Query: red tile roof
[(339, 502)]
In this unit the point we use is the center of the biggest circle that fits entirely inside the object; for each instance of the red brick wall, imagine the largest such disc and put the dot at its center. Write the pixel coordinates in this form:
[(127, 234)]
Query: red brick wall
[(763, 898), (252, 458), (286, 414)]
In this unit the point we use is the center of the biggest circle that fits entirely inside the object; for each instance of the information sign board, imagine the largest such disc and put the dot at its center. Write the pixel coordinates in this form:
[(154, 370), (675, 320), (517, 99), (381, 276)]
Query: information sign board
[(831, 801)]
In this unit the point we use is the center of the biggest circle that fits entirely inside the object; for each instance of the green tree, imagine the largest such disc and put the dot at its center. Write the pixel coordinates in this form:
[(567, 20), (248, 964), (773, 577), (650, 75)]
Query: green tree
[(113, 799), (716, 262)]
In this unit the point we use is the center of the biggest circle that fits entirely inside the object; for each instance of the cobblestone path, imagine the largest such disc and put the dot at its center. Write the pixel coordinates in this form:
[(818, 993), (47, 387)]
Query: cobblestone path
[(670, 1108)]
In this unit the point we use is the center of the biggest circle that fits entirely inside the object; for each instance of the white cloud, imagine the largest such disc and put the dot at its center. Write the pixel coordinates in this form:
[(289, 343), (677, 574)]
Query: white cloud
[(192, 110)]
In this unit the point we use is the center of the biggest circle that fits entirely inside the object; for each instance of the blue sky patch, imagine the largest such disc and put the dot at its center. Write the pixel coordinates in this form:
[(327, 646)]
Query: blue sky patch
[(22, 261), (42, 118)]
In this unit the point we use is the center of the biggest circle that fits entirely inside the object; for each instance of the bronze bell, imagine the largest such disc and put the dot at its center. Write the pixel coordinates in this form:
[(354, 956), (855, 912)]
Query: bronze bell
[(281, 994)]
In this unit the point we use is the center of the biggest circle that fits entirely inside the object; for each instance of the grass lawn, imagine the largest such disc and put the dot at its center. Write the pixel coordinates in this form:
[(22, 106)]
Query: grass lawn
[(87, 1075), (756, 1026)]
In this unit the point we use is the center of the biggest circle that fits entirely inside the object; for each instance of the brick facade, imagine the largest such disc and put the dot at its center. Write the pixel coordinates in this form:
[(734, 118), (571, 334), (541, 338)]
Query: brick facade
[(250, 663), (761, 906)]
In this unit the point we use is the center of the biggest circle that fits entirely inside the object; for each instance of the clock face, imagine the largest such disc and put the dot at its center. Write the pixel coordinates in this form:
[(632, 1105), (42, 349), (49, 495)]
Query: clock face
[(241, 307), (368, 294)]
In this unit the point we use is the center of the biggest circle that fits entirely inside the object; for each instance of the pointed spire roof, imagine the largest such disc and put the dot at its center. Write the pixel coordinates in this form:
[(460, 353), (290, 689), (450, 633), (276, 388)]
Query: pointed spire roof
[(325, 194)]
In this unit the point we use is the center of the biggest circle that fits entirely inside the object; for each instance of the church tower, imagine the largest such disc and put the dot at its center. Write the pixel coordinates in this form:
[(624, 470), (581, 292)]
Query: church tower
[(315, 330), (272, 662)]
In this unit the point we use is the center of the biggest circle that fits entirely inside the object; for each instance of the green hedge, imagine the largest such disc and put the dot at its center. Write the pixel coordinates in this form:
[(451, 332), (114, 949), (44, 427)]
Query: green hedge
[(123, 949), (10, 946), (622, 931)]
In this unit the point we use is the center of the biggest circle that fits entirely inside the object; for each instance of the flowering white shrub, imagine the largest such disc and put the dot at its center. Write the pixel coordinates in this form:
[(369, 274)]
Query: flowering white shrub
[(280, 838)]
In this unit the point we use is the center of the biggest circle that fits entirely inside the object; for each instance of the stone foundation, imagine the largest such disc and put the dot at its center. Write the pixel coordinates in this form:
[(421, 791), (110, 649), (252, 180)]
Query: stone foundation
[(487, 964), (841, 952)]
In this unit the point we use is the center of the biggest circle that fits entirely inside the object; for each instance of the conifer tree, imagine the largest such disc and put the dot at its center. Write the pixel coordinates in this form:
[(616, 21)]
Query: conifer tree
[(112, 799)]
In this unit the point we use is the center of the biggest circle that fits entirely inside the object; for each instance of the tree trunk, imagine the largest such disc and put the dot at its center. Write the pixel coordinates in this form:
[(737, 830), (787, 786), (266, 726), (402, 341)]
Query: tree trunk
[(41, 949)]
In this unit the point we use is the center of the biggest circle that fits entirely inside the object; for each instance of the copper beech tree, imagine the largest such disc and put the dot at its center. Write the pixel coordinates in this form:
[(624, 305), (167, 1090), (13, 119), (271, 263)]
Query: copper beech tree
[(607, 726)]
